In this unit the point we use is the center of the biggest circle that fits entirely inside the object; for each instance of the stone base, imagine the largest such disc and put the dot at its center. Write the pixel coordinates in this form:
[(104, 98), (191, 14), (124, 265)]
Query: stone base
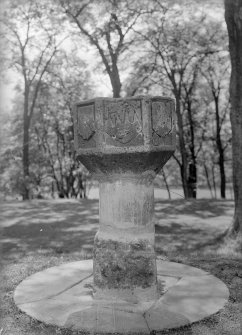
[(125, 268), (64, 296)]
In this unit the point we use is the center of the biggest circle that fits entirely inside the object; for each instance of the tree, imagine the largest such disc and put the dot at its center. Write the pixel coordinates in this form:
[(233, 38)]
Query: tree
[(215, 70), (11, 181), (177, 46), (208, 147), (233, 18), (108, 26), (190, 108), (65, 83), (33, 40)]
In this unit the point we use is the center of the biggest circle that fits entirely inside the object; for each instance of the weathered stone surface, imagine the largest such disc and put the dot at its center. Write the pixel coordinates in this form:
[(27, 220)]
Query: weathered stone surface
[(122, 122), (195, 297), (124, 255), (184, 300), (165, 282), (137, 295), (101, 320), (162, 121), (130, 202), (121, 125), (178, 270), (124, 265), (85, 120), (55, 311), (125, 142), (52, 281), (162, 318)]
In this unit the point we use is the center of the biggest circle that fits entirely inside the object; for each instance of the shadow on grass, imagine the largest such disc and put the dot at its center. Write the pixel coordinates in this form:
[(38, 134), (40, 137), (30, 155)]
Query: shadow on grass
[(191, 225), (202, 208), (37, 234), (185, 239), (48, 226), (69, 226)]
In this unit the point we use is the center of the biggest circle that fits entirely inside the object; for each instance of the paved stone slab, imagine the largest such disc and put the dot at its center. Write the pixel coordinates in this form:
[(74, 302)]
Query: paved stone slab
[(166, 282), (195, 297), (99, 319), (63, 296), (52, 281), (179, 270), (163, 318), (56, 311)]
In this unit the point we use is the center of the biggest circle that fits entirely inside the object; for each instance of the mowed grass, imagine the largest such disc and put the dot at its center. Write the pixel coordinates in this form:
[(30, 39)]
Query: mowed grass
[(38, 234)]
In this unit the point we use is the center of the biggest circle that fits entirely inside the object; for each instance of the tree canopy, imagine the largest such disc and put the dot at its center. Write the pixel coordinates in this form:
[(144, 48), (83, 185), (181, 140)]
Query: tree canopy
[(65, 51)]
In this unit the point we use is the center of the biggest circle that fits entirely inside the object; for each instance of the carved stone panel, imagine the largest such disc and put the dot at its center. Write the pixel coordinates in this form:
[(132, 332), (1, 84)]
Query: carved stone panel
[(86, 126), (122, 122), (161, 121)]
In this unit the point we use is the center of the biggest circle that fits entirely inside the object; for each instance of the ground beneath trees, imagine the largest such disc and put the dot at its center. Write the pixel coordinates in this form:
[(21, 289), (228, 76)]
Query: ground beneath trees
[(39, 234)]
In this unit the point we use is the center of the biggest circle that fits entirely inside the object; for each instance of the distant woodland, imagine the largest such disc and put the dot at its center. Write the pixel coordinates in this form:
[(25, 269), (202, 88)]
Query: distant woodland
[(62, 52)]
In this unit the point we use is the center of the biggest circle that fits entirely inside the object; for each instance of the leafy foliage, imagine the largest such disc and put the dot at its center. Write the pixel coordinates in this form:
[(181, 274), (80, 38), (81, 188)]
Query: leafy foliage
[(58, 49)]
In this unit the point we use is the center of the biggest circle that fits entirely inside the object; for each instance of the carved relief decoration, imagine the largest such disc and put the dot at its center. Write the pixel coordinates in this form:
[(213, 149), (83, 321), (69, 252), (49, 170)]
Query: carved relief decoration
[(86, 125), (123, 122), (161, 120)]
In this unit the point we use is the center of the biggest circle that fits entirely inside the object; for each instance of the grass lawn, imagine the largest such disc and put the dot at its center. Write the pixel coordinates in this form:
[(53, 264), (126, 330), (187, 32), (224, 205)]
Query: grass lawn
[(39, 234)]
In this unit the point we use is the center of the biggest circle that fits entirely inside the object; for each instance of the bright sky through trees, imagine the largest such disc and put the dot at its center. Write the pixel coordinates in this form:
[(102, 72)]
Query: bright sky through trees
[(136, 47), (9, 79)]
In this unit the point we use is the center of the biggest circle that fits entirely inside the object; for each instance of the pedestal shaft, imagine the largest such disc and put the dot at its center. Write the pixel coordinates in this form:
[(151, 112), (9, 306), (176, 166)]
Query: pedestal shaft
[(124, 257)]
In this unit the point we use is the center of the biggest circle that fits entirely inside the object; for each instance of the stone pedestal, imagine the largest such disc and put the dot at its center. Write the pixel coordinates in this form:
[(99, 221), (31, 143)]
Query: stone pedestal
[(124, 257), (124, 143)]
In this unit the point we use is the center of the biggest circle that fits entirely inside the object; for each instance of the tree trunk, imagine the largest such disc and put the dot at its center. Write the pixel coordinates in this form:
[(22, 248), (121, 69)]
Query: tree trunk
[(207, 178), (25, 157), (233, 17), (192, 178), (214, 182), (166, 183), (220, 150), (52, 190), (115, 80), (222, 176), (184, 165), (26, 161)]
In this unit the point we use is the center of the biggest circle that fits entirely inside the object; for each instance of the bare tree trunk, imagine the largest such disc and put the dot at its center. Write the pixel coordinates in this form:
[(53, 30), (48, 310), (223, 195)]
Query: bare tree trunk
[(184, 165), (220, 150), (110, 56), (192, 179), (207, 178), (52, 190), (25, 157), (115, 80), (233, 17), (166, 183), (214, 182)]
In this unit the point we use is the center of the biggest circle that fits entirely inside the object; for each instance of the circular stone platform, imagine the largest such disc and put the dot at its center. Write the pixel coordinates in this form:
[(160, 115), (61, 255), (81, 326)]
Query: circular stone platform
[(63, 296)]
